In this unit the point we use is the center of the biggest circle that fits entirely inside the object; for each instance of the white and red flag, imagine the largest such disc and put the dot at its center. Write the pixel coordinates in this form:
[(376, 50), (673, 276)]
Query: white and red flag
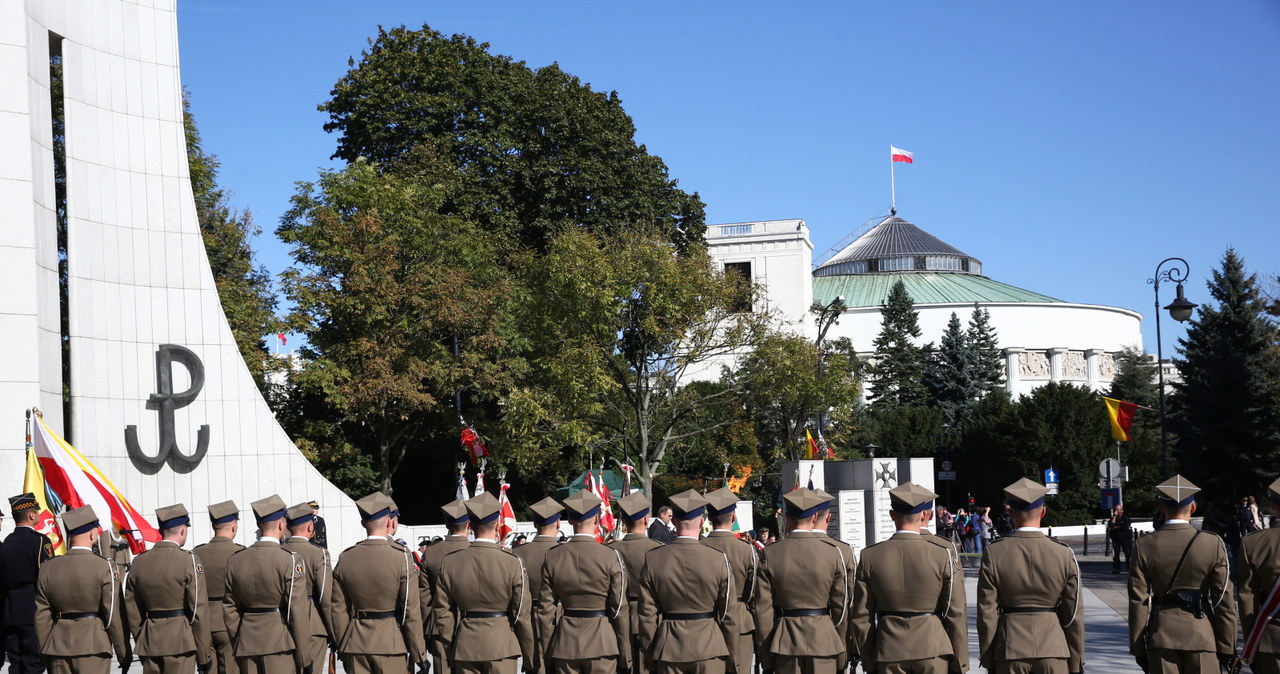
[(506, 514), (899, 154), (475, 447), (607, 521)]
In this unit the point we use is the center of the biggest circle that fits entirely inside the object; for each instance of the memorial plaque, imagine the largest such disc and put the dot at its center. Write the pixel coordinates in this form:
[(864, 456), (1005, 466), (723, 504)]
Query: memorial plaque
[(849, 518)]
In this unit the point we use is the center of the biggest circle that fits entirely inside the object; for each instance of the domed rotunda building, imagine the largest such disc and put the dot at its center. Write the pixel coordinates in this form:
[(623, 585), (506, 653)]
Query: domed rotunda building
[(1043, 339)]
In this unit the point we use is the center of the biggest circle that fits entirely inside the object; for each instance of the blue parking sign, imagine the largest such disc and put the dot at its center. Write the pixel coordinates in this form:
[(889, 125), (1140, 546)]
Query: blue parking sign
[(1110, 498), (1050, 475)]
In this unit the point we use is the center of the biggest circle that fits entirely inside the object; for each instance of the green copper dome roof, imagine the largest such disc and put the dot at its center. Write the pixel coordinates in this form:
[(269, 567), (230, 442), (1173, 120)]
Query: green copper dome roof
[(870, 290)]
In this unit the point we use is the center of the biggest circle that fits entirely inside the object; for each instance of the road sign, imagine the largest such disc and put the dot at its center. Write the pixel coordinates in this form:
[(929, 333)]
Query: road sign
[(1110, 498), (1052, 488), (1113, 483), (1109, 468), (946, 475), (1050, 475), (947, 465)]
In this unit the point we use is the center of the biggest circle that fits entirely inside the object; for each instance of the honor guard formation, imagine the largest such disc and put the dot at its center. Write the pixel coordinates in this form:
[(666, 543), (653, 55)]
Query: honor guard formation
[(701, 603)]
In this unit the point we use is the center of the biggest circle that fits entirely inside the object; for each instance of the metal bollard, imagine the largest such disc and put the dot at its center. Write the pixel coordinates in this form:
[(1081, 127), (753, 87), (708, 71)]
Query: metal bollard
[(1086, 542)]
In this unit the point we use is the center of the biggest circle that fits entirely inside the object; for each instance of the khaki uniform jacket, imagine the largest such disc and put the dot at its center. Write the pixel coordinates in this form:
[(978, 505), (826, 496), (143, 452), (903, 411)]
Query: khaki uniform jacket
[(800, 572), (1030, 570), (687, 577), (850, 567), (583, 575), (373, 576), (80, 582), (1154, 558), (745, 564), (319, 585), (265, 576), (164, 578), (427, 579), (214, 556), (484, 578), (1258, 568), (534, 554), (910, 573)]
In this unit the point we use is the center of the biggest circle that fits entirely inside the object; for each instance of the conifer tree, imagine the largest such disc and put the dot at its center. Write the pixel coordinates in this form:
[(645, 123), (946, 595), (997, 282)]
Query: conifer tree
[(988, 365), (952, 374), (899, 373)]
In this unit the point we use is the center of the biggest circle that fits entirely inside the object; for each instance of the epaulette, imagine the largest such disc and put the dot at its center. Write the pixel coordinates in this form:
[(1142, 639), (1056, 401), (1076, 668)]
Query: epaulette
[(875, 544), (1206, 531), (1059, 542), (1003, 539), (351, 547)]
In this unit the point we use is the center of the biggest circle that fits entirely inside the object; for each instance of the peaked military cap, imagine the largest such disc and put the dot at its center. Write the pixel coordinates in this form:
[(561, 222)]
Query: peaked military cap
[(314, 504), (374, 506), (1025, 494), (828, 498), (634, 505), (483, 508), (909, 498), (395, 509), (582, 505), (1178, 491), (547, 511), (455, 512), (268, 509), (722, 501), (1274, 491), (22, 502), (227, 511), (299, 514), (688, 504), (804, 503), (80, 520), (172, 516)]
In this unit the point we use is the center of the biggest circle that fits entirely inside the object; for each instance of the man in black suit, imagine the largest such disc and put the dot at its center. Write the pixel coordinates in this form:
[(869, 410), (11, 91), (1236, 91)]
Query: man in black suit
[(321, 538), (20, 557), (659, 529)]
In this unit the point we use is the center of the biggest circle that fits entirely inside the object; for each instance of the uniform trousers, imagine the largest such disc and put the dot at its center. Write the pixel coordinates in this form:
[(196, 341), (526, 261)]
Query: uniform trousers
[(1032, 666), (804, 664), (224, 654), (1266, 663), (1168, 661), (608, 665), (744, 648), (318, 646), (638, 663), (710, 666), (503, 666), (23, 649), (276, 663), (360, 663), (936, 665), (84, 664), (439, 655), (169, 664)]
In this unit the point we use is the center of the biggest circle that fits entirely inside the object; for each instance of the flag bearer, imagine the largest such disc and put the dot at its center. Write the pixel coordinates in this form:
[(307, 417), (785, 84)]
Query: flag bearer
[(722, 510), (546, 517), (1258, 580), (78, 596), (21, 555), (165, 601), (458, 523), (633, 547), (319, 580), (225, 518)]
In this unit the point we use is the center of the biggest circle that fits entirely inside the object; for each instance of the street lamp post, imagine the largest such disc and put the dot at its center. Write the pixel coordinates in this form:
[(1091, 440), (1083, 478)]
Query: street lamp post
[(826, 318), (1179, 310)]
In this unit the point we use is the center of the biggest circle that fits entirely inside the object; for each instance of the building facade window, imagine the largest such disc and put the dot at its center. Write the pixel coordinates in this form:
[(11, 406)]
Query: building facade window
[(739, 273)]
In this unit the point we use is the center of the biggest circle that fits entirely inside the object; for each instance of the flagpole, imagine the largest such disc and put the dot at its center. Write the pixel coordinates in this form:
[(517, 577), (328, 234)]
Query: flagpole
[(893, 188)]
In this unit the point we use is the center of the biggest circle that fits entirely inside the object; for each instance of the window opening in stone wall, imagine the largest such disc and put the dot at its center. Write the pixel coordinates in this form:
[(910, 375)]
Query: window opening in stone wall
[(739, 274), (58, 120)]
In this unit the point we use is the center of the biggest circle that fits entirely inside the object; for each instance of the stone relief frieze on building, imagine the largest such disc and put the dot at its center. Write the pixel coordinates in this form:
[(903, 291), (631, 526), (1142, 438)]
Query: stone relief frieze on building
[(1106, 366), (1073, 365), (1033, 365)]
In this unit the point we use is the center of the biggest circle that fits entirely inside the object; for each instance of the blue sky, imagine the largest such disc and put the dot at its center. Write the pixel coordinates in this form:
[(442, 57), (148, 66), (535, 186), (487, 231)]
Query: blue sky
[(1069, 146)]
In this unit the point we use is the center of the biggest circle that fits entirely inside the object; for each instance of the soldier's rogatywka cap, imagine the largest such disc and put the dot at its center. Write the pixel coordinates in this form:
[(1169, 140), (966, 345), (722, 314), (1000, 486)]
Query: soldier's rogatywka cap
[(484, 508), (23, 502), (395, 509), (455, 512), (1025, 494), (688, 504), (828, 499), (172, 516), (1274, 491), (547, 511), (804, 503), (299, 514), (909, 498), (635, 505), (80, 520), (1177, 491), (268, 509), (374, 506), (722, 501), (221, 513), (582, 505)]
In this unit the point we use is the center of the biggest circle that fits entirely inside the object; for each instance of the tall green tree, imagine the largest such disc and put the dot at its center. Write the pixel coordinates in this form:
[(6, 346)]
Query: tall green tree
[(1224, 410), (898, 374), (244, 286), (1135, 382), (982, 339), (531, 151), (382, 284), (952, 375)]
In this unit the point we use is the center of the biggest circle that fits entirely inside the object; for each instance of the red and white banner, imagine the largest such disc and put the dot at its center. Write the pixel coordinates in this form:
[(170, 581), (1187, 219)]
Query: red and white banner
[(607, 521), (899, 154), (506, 514), (475, 448)]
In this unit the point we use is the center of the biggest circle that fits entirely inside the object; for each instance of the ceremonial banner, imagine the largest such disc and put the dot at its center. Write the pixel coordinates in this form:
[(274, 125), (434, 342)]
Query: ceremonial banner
[(33, 483), (506, 514), (1121, 414)]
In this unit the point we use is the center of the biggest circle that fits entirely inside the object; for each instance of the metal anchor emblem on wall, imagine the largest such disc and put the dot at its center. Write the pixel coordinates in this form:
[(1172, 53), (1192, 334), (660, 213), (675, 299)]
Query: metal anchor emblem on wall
[(165, 401)]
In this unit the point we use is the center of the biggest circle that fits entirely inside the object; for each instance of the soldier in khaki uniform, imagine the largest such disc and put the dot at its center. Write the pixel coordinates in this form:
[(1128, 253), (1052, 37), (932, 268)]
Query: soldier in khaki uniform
[(687, 599), (482, 600), (800, 607), (1030, 617), (722, 510), (546, 517), (633, 547), (908, 612), (1191, 618), (78, 597), (225, 518), (319, 580), (1257, 572), (265, 601), (377, 612), (458, 523), (589, 631), (850, 559), (166, 602)]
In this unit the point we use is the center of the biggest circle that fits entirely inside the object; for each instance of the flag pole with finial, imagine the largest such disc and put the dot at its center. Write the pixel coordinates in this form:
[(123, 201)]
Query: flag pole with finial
[(893, 189)]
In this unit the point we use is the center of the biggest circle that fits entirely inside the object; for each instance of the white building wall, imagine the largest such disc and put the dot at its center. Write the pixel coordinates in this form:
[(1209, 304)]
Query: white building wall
[(139, 274)]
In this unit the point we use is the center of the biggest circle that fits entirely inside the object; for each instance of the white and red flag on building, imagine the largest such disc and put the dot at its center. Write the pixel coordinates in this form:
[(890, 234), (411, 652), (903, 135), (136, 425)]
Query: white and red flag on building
[(899, 154), (506, 514), (475, 447), (79, 483)]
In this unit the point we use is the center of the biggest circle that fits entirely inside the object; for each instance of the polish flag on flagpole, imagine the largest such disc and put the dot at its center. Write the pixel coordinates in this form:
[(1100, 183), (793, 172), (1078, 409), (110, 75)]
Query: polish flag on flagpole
[(506, 514), (898, 154), (78, 483)]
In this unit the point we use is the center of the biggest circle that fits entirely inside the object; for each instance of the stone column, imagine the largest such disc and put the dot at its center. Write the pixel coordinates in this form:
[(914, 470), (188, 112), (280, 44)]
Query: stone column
[(1091, 357), (1055, 363), (1012, 370)]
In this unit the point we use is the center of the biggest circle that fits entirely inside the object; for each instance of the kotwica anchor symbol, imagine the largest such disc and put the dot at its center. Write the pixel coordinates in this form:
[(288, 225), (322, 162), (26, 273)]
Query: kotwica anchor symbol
[(166, 402)]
